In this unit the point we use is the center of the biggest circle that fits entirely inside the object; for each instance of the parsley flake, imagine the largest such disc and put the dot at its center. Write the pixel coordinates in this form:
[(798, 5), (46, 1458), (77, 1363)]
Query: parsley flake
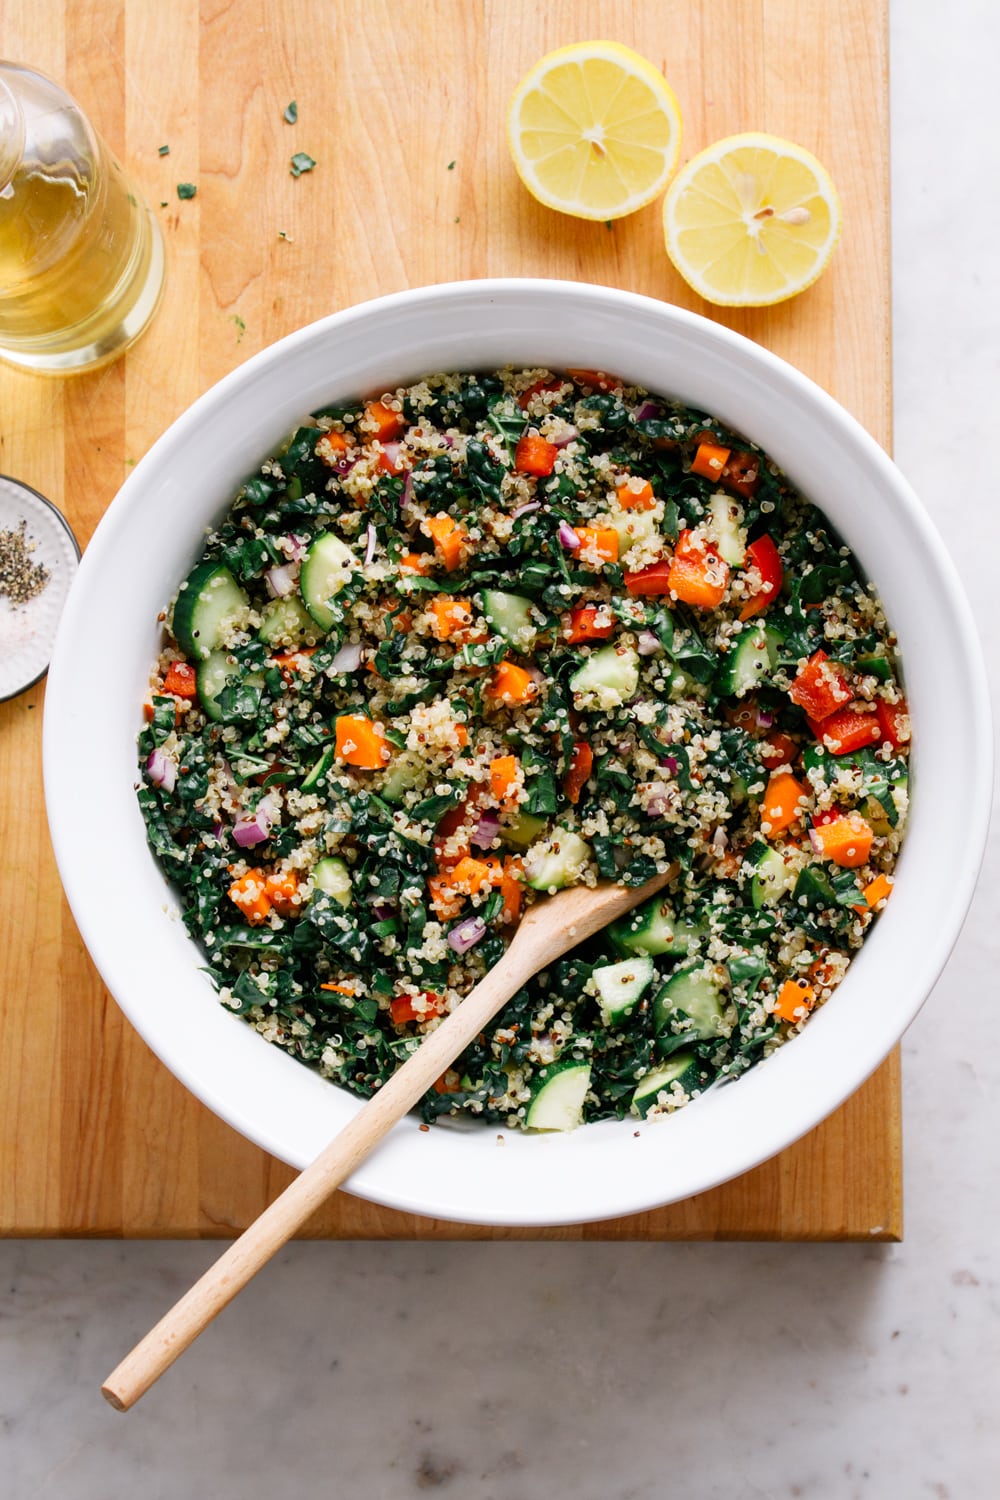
[(186, 189), (163, 150), (451, 166), (301, 162), (291, 113)]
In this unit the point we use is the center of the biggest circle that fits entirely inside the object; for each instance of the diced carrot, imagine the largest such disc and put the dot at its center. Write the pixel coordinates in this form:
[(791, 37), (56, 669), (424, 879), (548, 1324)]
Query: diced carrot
[(846, 840), (450, 1082), (407, 1008), (292, 661), (581, 763), (147, 712), (416, 562), (445, 900), (598, 380), (893, 721), (403, 623), (780, 807), (449, 539), (360, 744), (879, 889), (388, 423), (635, 494), (340, 989), (511, 684), (604, 540), (512, 889), (846, 730), (455, 818), (794, 999), (778, 749), (282, 891), (331, 447), (534, 455), (710, 460), (469, 875), (524, 399), (461, 734), (820, 687), (823, 970), (588, 622), (249, 893), (451, 616), (765, 557), (698, 575), (506, 779), (650, 581), (180, 680)]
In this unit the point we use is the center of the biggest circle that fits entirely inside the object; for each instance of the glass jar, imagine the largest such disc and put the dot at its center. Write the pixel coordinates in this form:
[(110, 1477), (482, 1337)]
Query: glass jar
[(81, 257)]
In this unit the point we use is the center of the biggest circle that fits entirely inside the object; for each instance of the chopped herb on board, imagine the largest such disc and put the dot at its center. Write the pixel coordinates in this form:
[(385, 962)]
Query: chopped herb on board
[(186, 189), (163, 150), (241, 327), (451, 166), (291, 113), (301, 162)]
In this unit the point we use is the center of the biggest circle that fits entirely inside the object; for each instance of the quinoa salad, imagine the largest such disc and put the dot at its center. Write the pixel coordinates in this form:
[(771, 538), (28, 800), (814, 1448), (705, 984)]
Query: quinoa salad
[(489, 635)]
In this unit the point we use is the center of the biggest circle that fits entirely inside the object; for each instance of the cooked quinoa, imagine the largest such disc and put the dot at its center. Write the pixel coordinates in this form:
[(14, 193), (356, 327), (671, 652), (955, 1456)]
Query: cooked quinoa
[(488, 635)]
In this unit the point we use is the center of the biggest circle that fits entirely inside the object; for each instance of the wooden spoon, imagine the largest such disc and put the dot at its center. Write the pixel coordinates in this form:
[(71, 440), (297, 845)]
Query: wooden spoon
[(548, 929)]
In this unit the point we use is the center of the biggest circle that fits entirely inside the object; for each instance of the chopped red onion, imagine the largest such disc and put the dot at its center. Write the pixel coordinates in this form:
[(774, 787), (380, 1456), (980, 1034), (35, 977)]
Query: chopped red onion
[(371, 539), (816, 839), (648, 643), (487, 829), (467, 934), (347, 659), (392, 452), (218, 829), (406, 498), (447, 439), (522, 510), (569, 538), (280, 581), (161, 770), (570, 435), (648, 411), (671, 764), (343, 466), (296, 545), (254, 828), (382, 912), (765, 720)]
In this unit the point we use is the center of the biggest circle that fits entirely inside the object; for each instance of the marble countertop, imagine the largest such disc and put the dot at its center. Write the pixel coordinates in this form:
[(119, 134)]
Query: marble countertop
[(516, 1371)]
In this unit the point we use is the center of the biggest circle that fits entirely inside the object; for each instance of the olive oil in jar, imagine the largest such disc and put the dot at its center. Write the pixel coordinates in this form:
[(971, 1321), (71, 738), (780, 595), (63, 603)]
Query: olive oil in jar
[(81, 260)]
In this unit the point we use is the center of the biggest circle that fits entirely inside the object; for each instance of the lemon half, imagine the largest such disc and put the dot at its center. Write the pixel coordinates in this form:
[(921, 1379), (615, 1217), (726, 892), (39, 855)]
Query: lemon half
[(751, 220), (594, 130)]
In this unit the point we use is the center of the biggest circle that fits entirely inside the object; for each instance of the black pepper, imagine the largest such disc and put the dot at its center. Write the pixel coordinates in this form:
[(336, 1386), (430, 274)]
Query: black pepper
[(20, 578)]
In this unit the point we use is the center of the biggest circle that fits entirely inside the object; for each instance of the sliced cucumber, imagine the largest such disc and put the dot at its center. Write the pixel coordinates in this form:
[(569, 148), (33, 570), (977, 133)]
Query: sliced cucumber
[(607, 679), (212, 675), (653, 928), (632, 526), (524, 831), (557, 1100), (682, 1068), (693, 998), (327, 566), (320, 767), (286, 622), (333, 878), (404, 772), (772, 878), (556, 861), (727, 529), (620, 987), (509, 615), (209, 604), (752, 656)]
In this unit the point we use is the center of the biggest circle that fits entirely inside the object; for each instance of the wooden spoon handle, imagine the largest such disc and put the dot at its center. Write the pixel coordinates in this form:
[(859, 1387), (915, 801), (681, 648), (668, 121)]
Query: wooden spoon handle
[(280, 1220)]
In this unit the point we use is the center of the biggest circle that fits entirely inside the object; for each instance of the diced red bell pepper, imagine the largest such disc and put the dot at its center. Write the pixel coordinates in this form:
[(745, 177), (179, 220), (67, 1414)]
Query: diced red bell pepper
[(741, 473), (533, 455), (778, 749), (180, 680), (764, 556), (583, 625), (600, 380), (820, 687), (698, 575), (846, 730), (524, 399), (580, 766), (893, 722), (652, 580), (403, 1010)]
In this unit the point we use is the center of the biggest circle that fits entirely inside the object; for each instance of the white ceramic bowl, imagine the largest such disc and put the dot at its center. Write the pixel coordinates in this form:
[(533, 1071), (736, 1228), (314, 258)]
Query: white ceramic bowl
[(152, 534)]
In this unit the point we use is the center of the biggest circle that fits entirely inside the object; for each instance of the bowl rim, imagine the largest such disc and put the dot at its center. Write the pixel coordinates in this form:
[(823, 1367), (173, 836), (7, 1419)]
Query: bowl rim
[(379, 1178)]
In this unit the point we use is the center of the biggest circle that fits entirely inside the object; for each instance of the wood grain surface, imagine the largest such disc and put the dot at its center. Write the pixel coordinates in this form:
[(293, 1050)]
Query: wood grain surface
[(97, 1137)]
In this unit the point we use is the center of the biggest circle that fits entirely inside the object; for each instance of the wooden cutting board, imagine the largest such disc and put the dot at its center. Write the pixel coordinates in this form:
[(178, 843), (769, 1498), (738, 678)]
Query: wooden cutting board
[(402, 106)]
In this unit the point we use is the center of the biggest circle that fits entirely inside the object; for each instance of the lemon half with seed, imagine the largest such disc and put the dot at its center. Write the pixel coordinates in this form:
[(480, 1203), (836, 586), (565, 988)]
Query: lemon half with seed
[(594, 130), (751, 220)]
